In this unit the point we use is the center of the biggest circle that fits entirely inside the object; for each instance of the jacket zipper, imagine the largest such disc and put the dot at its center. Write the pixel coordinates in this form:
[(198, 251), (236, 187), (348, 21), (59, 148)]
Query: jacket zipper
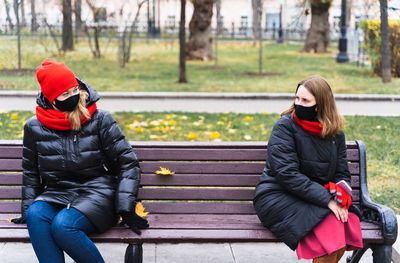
[(75, 140)]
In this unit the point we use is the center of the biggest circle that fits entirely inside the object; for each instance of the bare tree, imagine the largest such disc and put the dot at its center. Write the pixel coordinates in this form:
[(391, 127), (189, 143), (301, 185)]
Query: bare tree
[(16, 10), (199, 45), (259, 34), (67, 35), (53, 36), (96, 28), (182, 43), (218, 8), (34, 24), (23, 20), (385, 49), (78, 18), (126, 36), (318, 34), (7, 6), (256, 5)]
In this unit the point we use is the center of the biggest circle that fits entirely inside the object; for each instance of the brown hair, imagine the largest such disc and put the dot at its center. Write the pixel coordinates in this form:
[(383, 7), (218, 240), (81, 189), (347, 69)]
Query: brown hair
[(327, 113), (76, 115)]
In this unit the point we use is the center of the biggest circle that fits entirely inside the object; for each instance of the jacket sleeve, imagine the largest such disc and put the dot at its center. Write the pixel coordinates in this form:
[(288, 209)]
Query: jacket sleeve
[(342, 167), (119, 152), (284, 165), (31, 182)]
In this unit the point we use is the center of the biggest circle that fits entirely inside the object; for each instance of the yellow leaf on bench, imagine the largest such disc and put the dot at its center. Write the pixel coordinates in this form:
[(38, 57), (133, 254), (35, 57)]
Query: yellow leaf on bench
[(140, 210), (164, 171), (9, 220)]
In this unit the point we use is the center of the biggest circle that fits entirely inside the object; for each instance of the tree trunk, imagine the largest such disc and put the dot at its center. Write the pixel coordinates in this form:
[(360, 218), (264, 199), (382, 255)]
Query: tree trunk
[(259, 34), (67, 37), (256, 20), (182, 57), (385, 50), (200, 40), (34, 25), (23, 20), (318, 34), (16, 10), (78, 18), (7, 5), (218, 8)]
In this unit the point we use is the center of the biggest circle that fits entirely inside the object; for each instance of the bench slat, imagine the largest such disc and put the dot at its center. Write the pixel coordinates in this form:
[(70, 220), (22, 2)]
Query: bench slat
[(11, 179), (157, 154), (200, 180), (204, 167), (171, 207), (10, 207), (11, 152), (11, 165), (216, 167), (184, 167), (174, 194), (162, 153), (195, 194), (178, 235), (182, 180)]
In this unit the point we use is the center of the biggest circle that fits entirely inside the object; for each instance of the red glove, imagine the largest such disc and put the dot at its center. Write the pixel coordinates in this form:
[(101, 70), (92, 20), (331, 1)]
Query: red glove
[(331, 188), (340, 195)]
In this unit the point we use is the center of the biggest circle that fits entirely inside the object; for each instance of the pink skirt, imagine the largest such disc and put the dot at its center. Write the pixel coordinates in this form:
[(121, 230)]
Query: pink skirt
[(331, 235)]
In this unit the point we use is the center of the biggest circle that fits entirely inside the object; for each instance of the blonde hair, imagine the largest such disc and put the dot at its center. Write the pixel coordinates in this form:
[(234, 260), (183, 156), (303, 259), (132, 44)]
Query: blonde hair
[(80, 111), (327, 113)]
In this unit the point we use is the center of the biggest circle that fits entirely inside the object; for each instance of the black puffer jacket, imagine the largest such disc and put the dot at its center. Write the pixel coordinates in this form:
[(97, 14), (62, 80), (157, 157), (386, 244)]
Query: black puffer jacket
[(93, 170), (290, 198)]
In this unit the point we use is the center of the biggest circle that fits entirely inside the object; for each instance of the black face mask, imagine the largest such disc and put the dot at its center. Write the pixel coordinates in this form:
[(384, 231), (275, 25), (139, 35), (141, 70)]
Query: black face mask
[(306, 113), (68, 104)]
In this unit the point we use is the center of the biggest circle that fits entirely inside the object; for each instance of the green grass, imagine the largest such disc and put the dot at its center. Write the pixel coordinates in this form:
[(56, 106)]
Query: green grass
[(380, 134), (154, 67)]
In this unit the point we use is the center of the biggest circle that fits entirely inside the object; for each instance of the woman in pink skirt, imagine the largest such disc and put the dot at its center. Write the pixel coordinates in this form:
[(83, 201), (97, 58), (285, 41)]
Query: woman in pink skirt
[(304, 193)]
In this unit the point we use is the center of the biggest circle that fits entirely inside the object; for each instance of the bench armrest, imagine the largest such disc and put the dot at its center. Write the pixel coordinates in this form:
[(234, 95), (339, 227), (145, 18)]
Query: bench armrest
[(371, 211)]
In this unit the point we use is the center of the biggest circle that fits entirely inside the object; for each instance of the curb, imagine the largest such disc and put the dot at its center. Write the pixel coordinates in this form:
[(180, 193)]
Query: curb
[(214, 96)]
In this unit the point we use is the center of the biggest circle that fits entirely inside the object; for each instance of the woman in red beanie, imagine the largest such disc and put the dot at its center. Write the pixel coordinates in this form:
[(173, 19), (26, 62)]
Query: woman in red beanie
[(79, 172)]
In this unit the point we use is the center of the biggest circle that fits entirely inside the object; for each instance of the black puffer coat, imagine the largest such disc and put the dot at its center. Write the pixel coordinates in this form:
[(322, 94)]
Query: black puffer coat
[(290, 199), (93, 170)]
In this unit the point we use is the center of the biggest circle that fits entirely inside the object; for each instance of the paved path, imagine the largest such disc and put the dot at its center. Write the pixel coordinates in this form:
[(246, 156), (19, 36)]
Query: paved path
[(373, 105)]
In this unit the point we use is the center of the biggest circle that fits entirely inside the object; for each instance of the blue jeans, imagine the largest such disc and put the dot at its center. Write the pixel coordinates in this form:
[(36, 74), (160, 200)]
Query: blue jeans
[(54, 229)]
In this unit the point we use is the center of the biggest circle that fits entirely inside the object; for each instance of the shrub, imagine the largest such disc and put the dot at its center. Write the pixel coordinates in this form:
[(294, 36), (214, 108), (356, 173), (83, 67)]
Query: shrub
[(372, 32)]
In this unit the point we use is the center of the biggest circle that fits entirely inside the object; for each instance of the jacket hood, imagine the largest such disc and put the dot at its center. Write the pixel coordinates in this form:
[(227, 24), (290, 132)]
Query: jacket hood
[(93, 97)]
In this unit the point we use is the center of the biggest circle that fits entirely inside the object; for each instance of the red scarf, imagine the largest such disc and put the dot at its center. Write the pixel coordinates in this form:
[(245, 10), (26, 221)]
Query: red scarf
[(313, 128), (58, 120)]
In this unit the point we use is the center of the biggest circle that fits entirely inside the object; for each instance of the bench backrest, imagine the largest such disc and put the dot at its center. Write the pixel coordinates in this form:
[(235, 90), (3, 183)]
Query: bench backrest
[(210, 177)]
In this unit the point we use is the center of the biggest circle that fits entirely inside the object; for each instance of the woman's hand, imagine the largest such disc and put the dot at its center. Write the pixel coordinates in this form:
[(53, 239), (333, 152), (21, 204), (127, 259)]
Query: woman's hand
[(341, 213)]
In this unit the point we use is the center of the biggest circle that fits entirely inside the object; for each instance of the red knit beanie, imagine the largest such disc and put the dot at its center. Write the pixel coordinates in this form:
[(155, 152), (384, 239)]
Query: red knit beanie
[(54, 78)]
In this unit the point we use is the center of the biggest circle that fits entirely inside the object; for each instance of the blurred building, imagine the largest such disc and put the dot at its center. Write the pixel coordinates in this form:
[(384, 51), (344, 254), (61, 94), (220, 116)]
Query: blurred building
[(236, 15)]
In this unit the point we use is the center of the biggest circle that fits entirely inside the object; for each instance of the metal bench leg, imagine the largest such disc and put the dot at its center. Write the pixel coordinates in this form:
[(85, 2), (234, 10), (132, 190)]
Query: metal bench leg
[(356, 256), (134, 253), (382, 253)]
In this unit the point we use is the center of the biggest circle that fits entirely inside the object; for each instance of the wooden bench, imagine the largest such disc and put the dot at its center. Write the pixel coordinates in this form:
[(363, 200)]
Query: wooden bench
[(208, 199)]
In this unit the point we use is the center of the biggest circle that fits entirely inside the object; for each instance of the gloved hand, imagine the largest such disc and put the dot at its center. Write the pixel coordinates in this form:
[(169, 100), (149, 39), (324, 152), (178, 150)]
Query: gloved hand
[(331, 188), (134, 222), (19, 220), (340, 195)]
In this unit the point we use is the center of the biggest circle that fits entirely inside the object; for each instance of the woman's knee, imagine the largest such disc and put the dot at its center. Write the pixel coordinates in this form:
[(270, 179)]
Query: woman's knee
[(65, 223), (37, 212), (60, 228)]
